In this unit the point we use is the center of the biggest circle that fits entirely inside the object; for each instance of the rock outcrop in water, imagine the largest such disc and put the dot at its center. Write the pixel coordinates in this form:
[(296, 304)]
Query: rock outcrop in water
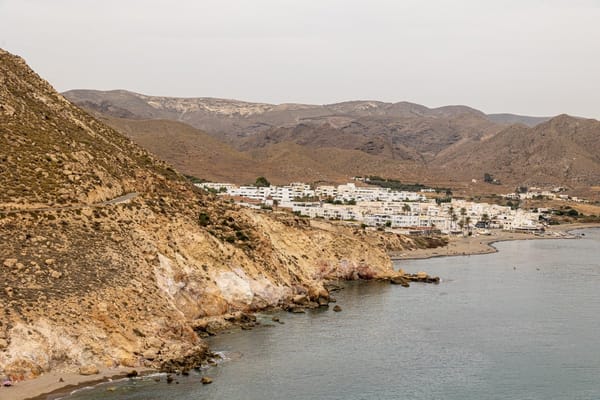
[(110, 257)]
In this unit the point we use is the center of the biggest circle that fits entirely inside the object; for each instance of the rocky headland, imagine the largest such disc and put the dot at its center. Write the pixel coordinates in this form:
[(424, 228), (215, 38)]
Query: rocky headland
[(110, 258)]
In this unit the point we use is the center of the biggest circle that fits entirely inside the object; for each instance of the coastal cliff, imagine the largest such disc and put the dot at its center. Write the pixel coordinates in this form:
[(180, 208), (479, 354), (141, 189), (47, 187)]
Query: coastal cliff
[(109, 257)]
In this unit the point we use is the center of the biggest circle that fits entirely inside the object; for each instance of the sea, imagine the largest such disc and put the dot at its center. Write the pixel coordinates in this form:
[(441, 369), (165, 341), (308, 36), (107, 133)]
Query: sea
[(522, 323)]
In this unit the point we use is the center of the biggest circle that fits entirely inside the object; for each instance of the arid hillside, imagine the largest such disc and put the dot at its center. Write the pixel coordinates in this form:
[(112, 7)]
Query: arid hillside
[(510, 119), (110, 257), (189, 150), (564, 150), (198, 154), (446, 146), (403, 131)]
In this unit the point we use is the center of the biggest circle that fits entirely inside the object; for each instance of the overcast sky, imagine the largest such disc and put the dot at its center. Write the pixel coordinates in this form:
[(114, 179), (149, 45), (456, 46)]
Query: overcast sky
[(536, 57)]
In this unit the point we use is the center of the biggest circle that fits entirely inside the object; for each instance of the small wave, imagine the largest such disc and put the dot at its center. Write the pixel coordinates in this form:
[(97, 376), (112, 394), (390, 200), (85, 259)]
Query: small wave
[(78, 390), (227, 356), (110, 381), (154, 375)]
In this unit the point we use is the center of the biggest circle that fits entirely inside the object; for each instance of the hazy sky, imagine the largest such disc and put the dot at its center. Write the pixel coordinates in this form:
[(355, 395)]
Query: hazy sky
[(537, 57)]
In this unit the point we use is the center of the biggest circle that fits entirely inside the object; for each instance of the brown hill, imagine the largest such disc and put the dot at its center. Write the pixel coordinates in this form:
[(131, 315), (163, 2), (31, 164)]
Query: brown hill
[(190, 150), (562, 151), (110, 257), (319, 136), (511, 119), (195, 153), (393, 129), (410, 138), (329, 164), (452, 144)]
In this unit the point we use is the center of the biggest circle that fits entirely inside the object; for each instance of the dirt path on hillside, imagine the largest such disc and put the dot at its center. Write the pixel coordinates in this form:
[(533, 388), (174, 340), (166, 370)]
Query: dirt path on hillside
[(117, 200)]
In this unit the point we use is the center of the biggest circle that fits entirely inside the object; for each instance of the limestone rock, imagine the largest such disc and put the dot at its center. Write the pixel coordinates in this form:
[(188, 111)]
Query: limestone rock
[(423, 277), (89, 369), (55, 274), (323, 302), (234, 288), (10, 262), (150, 354), (179, 357), (132, 374), (128, 362), (399, 280), (300, 299), (316, 292)]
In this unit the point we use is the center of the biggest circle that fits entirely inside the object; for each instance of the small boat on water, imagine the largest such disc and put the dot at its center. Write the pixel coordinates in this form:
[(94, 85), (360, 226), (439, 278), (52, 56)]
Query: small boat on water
[(7, 383)]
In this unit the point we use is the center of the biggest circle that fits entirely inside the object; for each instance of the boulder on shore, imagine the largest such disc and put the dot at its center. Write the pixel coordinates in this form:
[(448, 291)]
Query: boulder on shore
[(132, 374), (323, 302), (423, 277), (300, 299), (399, 280), (88, 370)]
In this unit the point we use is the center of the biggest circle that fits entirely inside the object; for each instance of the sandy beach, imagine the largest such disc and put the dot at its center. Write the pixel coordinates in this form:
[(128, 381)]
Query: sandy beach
[(482, 244), (49, 386)]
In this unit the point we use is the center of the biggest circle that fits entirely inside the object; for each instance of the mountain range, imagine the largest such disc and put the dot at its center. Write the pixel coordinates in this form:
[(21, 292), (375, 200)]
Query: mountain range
[(404, 131), (452, 145)]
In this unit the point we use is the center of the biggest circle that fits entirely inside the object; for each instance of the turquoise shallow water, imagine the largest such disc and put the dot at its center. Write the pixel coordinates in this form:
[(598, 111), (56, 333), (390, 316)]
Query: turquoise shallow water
[(523, 323)]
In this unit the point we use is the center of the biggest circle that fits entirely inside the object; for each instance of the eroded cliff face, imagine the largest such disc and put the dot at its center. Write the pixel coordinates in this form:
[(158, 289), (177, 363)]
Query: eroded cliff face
[(124, 285), (110, 257)]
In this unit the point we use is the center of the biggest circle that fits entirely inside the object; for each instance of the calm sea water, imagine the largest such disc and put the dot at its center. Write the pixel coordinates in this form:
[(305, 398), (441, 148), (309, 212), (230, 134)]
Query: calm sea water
[(523, 323)]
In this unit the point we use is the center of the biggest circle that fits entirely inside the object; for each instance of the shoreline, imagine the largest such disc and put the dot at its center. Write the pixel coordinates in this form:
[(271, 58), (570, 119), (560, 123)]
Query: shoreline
[(483, 244), (48, 386)]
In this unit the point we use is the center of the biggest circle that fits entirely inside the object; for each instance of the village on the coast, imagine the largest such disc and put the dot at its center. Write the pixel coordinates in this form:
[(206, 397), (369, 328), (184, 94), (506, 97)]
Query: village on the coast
[(409, 212)]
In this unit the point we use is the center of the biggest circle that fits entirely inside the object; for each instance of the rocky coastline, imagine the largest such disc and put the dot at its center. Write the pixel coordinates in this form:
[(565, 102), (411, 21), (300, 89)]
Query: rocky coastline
[(62, 382), (112, 261), (484, 244), (40, 388)]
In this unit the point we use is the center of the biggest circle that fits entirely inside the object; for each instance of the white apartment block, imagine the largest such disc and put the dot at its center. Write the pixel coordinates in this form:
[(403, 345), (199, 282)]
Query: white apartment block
[(380, 206), (350, 191)]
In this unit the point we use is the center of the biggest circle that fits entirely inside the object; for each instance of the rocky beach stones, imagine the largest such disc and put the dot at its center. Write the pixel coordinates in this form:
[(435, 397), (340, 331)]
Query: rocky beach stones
[(404, 279), (88, 370), (399, 280)]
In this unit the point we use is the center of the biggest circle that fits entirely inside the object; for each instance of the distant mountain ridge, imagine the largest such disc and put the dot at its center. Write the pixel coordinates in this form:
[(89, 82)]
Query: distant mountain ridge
[(451, 145), (510, 119), (396, 130), (126, 100), (563, 149), (199, 154)]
